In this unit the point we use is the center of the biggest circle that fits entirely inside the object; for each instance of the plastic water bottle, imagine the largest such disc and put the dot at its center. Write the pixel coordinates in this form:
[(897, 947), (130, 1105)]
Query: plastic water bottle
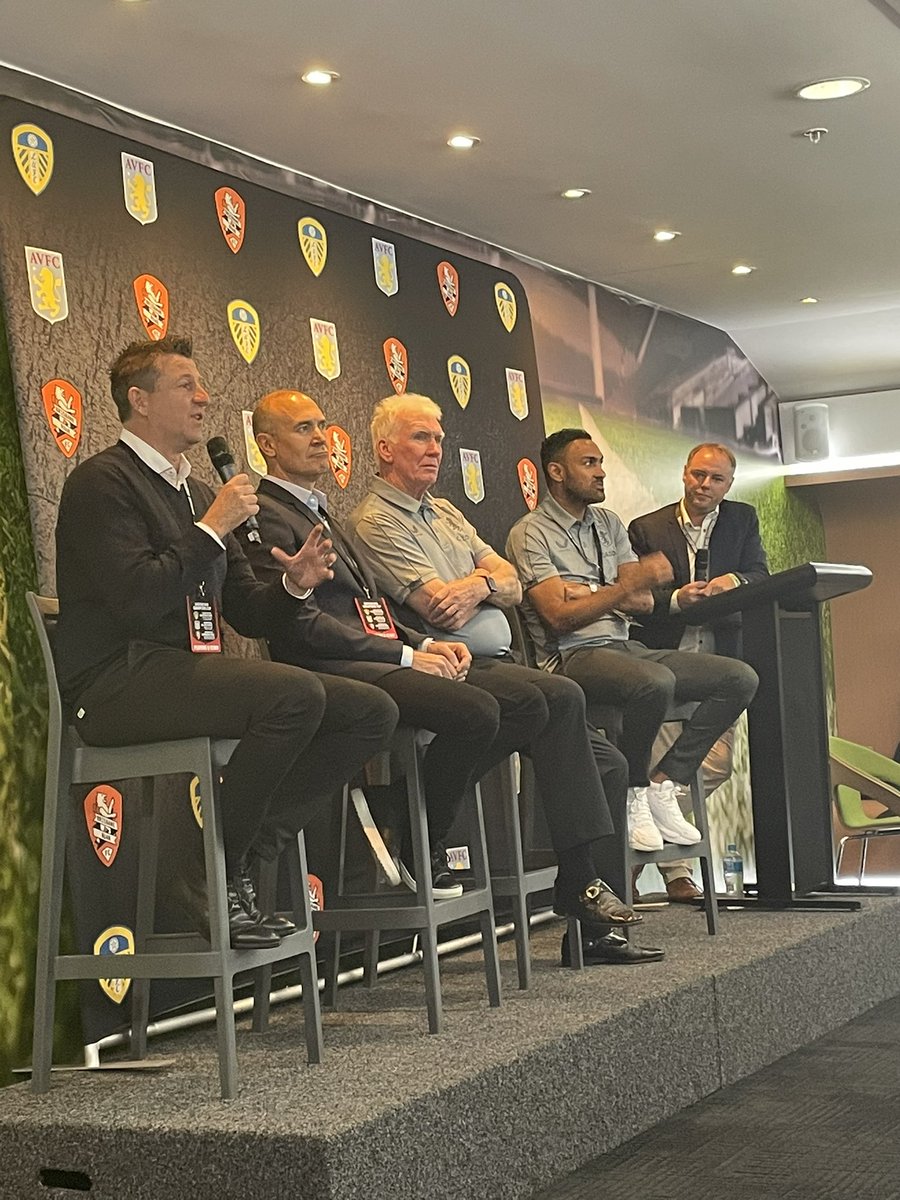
[(733, 868)]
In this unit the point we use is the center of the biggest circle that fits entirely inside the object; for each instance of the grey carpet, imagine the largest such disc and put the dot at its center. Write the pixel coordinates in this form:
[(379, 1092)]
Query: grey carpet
[(821, 1124)]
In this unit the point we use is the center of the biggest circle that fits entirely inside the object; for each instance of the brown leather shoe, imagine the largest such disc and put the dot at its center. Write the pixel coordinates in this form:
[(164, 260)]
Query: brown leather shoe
[(683, 890)]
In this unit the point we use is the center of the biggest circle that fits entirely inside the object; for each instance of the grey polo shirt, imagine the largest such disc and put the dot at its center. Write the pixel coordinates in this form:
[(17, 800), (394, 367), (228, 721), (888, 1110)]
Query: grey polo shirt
[(550, 542), (408, 542)]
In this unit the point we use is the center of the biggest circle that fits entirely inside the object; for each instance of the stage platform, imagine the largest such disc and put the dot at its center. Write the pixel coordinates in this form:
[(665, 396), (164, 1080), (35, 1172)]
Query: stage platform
[(501, 1104)]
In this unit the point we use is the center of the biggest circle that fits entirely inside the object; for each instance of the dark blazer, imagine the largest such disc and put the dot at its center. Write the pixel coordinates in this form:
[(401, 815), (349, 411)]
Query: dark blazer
[(734, 548), (127, 555), (330, 636)]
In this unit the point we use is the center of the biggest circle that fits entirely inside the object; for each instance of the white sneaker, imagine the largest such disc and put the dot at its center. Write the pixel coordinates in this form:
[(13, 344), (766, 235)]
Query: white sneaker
[(642, 831), (662, 800)]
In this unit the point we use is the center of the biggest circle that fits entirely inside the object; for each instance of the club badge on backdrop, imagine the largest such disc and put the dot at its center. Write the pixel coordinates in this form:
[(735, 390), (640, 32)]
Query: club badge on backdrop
[(117, 939), (103, 815), (243, 321), (256, 460), (325, 347), (340, 454), (472, 475), (313, 243), (33, 153), (448, 281), (47, 283), (316, 897), (152, 299), (460, 379), (528, 482), (506, 305), (232, 213), (397, 362), (139, 183), (384, 258), (62, 404), (196, 800), (515, 390)]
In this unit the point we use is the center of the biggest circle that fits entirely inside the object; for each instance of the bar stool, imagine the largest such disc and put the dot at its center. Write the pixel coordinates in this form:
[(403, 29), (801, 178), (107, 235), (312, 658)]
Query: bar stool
[(157, 956), (401, 910)]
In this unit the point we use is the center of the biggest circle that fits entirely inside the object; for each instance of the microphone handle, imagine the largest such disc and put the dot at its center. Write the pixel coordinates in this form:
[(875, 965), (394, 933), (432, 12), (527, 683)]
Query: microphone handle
[(226, 471)]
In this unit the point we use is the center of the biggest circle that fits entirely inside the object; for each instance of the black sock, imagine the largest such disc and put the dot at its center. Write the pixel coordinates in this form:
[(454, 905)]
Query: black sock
[(576, 870)]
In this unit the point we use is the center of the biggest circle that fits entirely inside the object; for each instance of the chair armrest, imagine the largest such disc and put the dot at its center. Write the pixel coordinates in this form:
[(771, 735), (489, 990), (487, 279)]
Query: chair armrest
[(868, 786)]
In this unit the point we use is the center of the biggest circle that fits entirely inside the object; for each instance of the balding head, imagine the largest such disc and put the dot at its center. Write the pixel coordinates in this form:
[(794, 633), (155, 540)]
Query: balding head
[(289, 428)]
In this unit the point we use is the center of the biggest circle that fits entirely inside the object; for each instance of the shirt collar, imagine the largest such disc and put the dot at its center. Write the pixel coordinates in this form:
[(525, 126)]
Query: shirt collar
[(686, 523), (155, 461), (311, 497), (393, 495), (563, 517)]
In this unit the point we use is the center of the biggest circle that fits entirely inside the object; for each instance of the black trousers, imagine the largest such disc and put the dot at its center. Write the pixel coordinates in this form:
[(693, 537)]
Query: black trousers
[(644, 683), (543, 716), (301, 735)]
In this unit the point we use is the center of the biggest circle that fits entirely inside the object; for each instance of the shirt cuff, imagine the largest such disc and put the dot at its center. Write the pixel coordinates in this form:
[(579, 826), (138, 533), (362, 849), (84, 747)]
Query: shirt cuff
[(674, 606), (206, 529), (295, 592), (737, 579), (406, 656)]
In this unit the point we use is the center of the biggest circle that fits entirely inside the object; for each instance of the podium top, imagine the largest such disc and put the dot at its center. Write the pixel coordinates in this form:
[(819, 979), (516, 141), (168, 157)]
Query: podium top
[(797, 588)]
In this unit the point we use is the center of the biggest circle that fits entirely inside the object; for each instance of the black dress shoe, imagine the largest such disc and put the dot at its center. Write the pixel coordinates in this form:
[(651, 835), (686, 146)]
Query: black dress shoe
[(611, 950), (245, 933), (597, 906), (246, 891)]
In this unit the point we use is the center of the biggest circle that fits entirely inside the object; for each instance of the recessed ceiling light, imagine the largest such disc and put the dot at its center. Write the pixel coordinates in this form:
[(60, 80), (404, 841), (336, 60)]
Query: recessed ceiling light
[(666, 235), (319, 77), (742, 269), (833, 89), (809, 300), (463, 141), (575, 193)]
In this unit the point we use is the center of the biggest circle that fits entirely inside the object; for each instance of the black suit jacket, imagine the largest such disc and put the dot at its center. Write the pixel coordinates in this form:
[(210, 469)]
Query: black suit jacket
[(329, 637), (128, 554), (734, 548)]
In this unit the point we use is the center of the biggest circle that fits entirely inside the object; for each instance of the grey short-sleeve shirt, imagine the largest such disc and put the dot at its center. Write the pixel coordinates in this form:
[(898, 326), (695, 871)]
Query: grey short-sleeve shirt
[(550, 542), (408, 542)]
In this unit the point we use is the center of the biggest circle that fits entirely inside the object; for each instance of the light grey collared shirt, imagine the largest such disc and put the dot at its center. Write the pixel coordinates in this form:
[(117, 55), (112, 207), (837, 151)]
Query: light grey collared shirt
[(549, 543), (408, 542)]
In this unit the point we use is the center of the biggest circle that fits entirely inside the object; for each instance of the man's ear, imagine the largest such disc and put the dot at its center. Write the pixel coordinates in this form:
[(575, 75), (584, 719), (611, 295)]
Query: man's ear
[(266, 445), (555, 471), (138, 400), (383, 448)]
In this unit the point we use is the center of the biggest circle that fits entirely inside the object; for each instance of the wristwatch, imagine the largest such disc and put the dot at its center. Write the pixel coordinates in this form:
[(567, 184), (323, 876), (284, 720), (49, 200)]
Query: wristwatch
[(491, 585)]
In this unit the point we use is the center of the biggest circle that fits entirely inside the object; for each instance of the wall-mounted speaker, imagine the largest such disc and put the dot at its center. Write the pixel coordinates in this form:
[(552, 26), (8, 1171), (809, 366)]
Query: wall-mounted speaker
[(811, 432)]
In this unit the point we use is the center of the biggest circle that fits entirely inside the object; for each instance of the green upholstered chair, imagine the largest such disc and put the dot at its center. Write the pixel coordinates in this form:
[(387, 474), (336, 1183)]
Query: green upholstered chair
[(857, 774)]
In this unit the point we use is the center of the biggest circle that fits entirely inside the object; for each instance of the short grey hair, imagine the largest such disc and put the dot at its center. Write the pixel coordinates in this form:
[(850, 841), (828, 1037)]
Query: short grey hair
[(389, 413)]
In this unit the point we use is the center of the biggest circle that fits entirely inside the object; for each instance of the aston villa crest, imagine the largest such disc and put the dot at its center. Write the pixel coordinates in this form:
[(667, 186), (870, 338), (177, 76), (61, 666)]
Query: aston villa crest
[(33, 153), (325, 347), (448, 281), (460, 379), (340, 454), (103, 815), (243, 321), (47, 283), (397, 362), (117, 939), (515, 390), (232, 213), (256, 460), (313, 243), (528, 482), (62, 404), (473, 478), (139, 183), (152, 299), (384, 258), (506, 305)]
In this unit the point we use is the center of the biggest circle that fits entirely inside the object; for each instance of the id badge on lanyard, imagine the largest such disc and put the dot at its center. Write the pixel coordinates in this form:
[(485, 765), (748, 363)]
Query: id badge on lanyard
[(375, 617), (204, 632)]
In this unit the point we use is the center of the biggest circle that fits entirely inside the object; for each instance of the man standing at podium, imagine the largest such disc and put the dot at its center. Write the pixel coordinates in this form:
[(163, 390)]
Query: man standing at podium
[(713, 545)]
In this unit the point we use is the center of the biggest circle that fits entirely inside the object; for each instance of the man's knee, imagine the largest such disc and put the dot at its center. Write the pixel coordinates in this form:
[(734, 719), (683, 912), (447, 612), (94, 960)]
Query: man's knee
[(358, 707), (565, 698), (290, 694), (738, 680)]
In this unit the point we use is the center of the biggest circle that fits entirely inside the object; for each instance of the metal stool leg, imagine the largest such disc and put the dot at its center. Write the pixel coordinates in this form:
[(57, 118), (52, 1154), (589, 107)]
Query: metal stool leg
[(478, 852), (148, 859)]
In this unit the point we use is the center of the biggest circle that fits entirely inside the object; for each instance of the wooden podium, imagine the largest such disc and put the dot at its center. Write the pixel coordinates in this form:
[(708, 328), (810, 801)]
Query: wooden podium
[(789, 775)]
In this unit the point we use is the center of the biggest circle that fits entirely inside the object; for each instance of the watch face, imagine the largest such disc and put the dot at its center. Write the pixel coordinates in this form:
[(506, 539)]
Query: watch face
[(492, 587)]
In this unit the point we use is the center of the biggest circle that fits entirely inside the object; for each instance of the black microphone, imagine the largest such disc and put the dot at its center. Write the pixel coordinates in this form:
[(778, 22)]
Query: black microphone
[(701, 565), (223, 461)]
